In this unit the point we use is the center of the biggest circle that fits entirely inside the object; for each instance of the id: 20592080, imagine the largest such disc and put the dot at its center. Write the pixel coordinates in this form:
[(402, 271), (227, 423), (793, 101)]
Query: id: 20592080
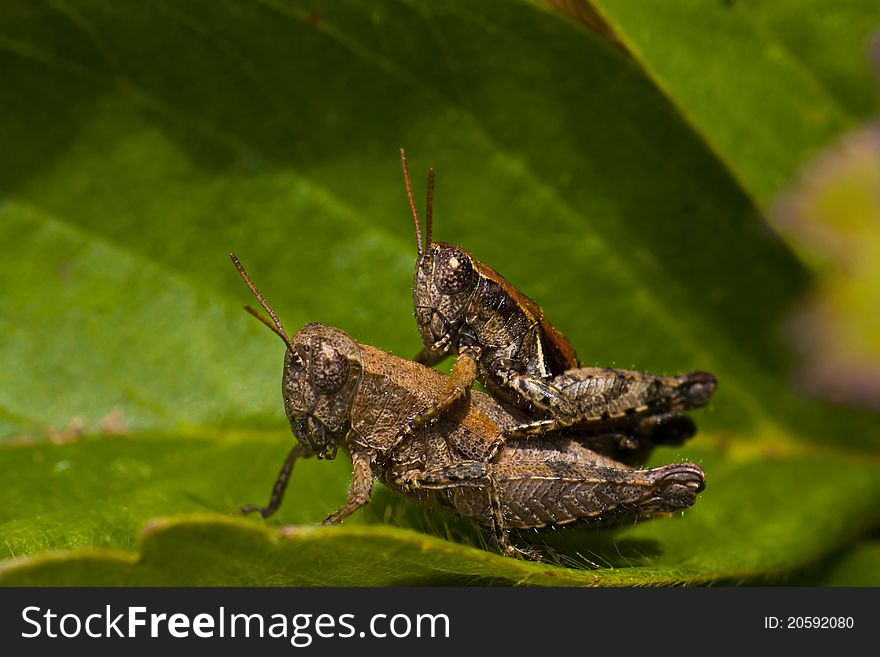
[(809, 622)]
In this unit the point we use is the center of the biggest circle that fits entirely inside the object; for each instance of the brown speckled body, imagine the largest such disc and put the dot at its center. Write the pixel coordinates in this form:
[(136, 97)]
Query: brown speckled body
[(504, 328), (500, 337), (551, 482), (338, 393), (463, 461)]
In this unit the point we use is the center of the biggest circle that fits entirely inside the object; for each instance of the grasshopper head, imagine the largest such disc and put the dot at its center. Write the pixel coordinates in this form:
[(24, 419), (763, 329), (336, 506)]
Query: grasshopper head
[(444, 280), (322, 369), (443, 285)]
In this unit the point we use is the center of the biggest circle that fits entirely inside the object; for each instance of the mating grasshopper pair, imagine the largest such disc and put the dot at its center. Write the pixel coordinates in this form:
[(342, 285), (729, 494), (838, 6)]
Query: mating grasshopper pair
[(550, 445)]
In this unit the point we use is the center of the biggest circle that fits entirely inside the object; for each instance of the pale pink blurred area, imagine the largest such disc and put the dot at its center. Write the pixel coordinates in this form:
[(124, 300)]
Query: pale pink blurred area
[(831, 217)]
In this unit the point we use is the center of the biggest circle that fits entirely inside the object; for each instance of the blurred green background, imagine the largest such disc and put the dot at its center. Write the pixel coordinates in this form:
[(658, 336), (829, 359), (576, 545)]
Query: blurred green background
[(689, 185)]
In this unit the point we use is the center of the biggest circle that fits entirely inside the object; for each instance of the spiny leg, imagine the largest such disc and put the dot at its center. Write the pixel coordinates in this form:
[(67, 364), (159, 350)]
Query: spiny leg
[(501, 533), (598, 397), (464, 473), (359, 490), (590, 396), (536, 428), (545, 492), (280, 486), (473, 474), (543, 394)]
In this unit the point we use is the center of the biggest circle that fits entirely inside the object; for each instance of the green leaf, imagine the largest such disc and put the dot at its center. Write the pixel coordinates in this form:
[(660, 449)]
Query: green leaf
[(859, 566), (804, 69), (153, 139), (99, 492), (767, 84)]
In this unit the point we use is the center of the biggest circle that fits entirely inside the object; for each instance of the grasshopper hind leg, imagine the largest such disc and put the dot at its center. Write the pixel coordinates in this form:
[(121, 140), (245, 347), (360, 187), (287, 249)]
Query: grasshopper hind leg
[(595, 398), (469, 477), (633, 445)]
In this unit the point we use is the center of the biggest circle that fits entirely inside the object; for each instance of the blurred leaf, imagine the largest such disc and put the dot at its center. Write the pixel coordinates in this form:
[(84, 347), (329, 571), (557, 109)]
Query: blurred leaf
[(859, 566), (151, 139)]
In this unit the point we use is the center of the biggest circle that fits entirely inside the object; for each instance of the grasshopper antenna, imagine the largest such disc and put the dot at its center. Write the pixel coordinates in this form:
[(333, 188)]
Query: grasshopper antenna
[(412, 201), (429, 210), (256, 313), (275, 325)]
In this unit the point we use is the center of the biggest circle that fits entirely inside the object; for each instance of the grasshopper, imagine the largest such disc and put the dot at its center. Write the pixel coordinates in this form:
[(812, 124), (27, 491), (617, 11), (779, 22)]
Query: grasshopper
[(500, 337), (342, 394)]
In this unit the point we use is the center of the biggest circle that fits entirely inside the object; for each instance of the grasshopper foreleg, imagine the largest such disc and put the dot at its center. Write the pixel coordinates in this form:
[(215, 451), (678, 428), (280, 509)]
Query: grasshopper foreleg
[(280, 484), (359, 490), (459, 383)]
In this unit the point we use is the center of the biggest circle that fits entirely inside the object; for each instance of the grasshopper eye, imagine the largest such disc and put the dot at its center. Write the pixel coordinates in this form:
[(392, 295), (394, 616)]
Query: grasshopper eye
[(453, 271), (330, 369)]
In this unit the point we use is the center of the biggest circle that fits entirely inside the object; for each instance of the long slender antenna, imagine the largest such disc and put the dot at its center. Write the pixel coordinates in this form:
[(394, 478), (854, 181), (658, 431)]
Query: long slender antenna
[(412, 201), (256, 313), (429, 209), (277, 328)]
